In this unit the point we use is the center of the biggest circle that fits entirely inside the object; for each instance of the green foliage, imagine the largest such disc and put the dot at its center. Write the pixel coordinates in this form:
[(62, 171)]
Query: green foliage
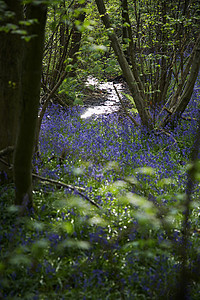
[(71, 91)]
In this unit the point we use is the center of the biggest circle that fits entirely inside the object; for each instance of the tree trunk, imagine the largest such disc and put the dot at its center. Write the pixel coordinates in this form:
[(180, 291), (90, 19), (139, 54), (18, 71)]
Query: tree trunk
[(185, 97), (130, 50), (11, 55), (140, 103), (125, 24), (31, 77), (76, 39)]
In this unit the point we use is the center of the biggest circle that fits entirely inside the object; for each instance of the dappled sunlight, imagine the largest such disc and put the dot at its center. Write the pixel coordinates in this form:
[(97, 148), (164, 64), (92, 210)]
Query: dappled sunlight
[(109, 105)]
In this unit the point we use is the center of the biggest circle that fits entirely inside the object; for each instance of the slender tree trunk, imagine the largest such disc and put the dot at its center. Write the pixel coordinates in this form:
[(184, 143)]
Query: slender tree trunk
[(128, 74), (130, 50), (11, 55), (31, 78), (185, 96), (76, 39), (125, 35)]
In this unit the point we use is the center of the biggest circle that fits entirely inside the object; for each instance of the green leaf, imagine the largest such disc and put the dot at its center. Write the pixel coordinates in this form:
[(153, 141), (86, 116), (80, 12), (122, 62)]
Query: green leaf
[(131, 180), (165, 181), (137, 200), (39, 247), (100, 48), (71, 243), (20, 259), (96, 220), (68, 227), (27, 38), (145, 170), (2, 267), (129, 97), (29, 22), (20, 32), (11, 26), (78, 101), (111, 165), (125, 24)]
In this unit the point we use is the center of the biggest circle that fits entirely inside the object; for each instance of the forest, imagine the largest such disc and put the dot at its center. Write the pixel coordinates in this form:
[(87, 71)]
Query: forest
[(100, 149)]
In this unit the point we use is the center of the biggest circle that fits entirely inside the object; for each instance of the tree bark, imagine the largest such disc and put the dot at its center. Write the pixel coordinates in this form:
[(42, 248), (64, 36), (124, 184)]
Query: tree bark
[(140, 103), (11, 54), (31, 78)]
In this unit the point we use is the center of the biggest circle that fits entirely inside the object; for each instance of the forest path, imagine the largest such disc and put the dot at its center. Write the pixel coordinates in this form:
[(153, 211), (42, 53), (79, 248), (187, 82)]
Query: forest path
[(106, 100)]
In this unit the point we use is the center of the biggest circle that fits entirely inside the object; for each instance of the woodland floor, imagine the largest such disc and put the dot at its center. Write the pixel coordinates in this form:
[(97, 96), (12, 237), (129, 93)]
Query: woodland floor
[(101, 98)]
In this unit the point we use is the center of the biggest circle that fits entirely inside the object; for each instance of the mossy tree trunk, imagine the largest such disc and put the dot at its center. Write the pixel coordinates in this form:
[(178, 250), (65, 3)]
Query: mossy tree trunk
[(31, 78)]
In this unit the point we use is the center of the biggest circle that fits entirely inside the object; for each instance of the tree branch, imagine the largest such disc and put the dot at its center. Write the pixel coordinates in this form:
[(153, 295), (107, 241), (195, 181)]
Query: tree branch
[(6, 151), (69, 186)]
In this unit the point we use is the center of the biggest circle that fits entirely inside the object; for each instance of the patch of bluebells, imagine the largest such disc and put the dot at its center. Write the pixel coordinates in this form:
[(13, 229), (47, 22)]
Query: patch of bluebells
[(105, 141), (99, 142)]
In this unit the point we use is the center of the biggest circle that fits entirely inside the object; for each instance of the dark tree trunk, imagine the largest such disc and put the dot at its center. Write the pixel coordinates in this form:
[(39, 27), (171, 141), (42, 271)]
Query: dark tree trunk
[(11, 55), (31, 78)]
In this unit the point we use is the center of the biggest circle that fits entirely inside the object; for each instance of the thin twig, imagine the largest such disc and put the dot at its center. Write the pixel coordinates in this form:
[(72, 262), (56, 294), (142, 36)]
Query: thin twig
[(165, 148), (5, 163), (168, 134)]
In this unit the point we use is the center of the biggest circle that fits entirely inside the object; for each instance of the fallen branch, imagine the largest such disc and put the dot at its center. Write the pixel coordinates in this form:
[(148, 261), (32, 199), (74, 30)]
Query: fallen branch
[(52, 181), (168, 134), (124, 108), (165, 148), (69, 186)]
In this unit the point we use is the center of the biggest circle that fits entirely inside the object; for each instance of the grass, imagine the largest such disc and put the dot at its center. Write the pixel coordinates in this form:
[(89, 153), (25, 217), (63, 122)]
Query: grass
[(128, 249)]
